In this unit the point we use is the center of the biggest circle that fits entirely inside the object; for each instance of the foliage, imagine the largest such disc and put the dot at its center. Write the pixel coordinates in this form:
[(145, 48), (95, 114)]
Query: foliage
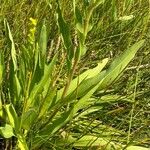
[(47, 101)]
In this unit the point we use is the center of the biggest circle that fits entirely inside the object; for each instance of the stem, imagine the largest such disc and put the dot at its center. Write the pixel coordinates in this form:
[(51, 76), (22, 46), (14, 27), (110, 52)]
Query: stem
[(70, 76), (133, 107)]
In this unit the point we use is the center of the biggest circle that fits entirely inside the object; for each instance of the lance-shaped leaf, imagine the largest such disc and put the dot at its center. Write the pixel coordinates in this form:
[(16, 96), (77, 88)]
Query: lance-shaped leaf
[(119, 64), (40, 86), (43, 45), (1, 66), (107, 76), (85, 75), (52, 128), (13, 51), (13, 117), (65, 31)]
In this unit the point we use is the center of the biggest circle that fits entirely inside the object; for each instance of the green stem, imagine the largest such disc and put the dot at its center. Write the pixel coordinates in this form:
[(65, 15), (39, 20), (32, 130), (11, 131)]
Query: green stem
[(133, 107)]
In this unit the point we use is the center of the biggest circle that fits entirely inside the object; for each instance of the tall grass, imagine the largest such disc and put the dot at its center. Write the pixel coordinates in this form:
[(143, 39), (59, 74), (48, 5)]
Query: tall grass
[(49, 100)]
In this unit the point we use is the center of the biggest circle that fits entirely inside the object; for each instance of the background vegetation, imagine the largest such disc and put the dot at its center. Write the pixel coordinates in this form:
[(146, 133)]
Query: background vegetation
[(46, 44)]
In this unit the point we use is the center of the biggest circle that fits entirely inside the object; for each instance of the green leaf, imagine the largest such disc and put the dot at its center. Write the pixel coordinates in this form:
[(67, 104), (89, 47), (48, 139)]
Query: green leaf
[(136, 148), (43, 40), (119, 64), (83, 102), (28, 118), (84, 76), (52, 128), (17, 85), (38, 88), (6, 131), (43, 45), (92, 141), (13, 117), (106, 77), (126, 18), (1, 67), (90, 110), (22, 142), (13, 51), (65, 31), (79, 16), (47, 102)]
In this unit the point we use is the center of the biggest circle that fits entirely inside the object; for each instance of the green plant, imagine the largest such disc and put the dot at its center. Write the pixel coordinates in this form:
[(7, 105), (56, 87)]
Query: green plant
[(32, 108)]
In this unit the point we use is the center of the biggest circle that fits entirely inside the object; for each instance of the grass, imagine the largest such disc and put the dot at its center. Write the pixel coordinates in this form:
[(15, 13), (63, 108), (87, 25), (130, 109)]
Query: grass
[(56, 89)]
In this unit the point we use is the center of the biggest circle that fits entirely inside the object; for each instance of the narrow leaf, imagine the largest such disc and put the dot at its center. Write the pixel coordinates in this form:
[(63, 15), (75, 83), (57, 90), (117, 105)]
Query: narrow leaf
[(86, 75), (12, 116), (65, 31), (119, 64), (13, 51), (40, 86)]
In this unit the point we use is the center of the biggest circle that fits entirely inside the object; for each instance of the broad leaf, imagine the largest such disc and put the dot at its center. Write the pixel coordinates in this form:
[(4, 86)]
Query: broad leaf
[(6, 131)]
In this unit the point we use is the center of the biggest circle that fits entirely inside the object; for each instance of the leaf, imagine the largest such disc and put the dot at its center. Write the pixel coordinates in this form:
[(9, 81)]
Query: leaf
[(52, 128), (92, 141), (17, 86), (90, 110), (126, 18), (79, 16), (106, 77), (102, 80), (13, 117), (43, 40), (43, 45), (22, 142), (6, 131), (80, 28), (86, 75), (13, 51), (65, 31), (47, 102), (83, 102), (79, 20), (40, 86), (136, 148), (119, 64), (28, 118), (1, 67)]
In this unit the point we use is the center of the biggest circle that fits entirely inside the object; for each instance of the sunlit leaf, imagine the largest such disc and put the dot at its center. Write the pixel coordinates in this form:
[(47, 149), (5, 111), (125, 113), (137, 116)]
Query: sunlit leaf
[(119, 64), (13, 117), (6, 131), (13, 51), (85, 75)]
